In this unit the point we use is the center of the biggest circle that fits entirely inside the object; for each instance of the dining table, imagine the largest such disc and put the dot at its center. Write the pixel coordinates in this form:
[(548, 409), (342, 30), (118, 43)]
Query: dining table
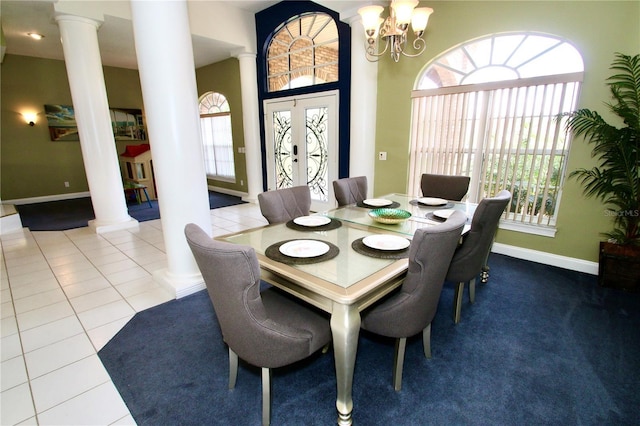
[(339, 261)]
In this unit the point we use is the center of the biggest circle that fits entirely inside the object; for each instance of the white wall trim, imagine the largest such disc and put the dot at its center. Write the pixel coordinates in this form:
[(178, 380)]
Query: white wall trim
[(227, 191), (73, 195), (564, 262), (46, 198)]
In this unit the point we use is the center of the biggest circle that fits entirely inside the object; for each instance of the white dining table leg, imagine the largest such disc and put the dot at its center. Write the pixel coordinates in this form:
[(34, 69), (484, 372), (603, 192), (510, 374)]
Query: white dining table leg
[(345, 327)]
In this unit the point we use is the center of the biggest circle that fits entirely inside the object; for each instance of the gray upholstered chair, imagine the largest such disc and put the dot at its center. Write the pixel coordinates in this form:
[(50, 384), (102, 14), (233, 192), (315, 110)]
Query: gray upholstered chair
[(350, 190), (266, 329), (410, 310), (472, 255), (444, 186), (282, 205)]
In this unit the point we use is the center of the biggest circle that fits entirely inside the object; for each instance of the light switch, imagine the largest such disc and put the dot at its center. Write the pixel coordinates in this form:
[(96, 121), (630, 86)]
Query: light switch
[(382, 155)]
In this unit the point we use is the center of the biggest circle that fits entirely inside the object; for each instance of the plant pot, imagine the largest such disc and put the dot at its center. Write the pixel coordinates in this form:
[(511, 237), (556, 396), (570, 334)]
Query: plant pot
[(619, 266)]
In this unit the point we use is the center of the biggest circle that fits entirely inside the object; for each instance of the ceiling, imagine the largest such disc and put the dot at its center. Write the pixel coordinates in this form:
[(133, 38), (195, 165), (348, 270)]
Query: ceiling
[(115, 35)]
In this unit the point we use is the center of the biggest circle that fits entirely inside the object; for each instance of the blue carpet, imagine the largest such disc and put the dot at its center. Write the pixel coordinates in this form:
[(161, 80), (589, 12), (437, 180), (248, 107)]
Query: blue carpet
[(76, 213), (541, 345)]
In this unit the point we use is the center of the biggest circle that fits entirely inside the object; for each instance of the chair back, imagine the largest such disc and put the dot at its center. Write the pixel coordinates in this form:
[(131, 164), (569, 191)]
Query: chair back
[(231, 274), (471, 256), (452, 188), (350, 190), (412, 309), (282, 205)]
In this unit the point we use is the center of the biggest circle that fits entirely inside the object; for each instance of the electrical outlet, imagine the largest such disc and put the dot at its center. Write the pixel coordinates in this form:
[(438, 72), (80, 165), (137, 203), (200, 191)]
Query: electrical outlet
[(241, 182), (382, 156), (66, 184)]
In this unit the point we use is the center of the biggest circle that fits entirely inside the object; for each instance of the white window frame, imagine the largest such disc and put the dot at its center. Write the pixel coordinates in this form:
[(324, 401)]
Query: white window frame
[(475, 129), (217, 137)]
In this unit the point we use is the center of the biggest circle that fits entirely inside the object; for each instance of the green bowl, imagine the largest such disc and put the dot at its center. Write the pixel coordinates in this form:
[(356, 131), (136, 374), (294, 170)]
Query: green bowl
[(389, 216)]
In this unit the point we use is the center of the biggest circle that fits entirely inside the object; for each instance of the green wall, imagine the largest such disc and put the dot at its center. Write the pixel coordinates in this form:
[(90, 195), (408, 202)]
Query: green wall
[(224, 77), (34, 166), (596, 28)]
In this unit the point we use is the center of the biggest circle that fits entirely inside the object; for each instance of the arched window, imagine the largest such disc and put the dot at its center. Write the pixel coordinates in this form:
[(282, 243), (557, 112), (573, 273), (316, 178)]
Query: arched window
[(217, 139), (303, 52), (491, 109)]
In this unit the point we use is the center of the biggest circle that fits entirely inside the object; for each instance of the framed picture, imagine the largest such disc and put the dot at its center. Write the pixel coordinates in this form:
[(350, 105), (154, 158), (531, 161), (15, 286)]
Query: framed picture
[(62, 123), (127, 123)]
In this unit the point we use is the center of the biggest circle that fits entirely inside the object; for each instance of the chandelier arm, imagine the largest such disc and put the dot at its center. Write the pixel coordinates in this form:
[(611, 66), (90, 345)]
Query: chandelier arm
[(370, 51), (419, 45)]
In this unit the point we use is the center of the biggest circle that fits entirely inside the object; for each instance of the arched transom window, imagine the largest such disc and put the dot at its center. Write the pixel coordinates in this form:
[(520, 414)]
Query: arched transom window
[(217, 139), (303, 52), (491, 109), (502, 57)]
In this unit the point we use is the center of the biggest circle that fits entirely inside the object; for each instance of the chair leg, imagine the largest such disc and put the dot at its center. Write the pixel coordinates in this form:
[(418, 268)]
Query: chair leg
[(472, 290), (233, 368), (457, 302), (484, 274), (401, 345), (426, 341), (266, 396)]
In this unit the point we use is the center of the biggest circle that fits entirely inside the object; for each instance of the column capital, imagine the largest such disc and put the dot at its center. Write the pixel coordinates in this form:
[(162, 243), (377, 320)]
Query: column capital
[(243, 55), (65, 17)]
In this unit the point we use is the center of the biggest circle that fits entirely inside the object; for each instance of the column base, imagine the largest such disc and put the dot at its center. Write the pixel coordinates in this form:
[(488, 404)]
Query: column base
[(101, 228), (180, 286), (10, 219)]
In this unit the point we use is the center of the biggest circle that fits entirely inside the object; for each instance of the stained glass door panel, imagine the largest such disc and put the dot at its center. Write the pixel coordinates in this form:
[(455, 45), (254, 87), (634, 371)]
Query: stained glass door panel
[(302, 146), (316, 127), (283, 149)]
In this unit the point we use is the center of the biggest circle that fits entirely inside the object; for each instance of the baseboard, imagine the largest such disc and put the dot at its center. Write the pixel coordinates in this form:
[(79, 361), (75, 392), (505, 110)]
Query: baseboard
[(73, 195), (227, 191), (46, 198), (564, 262)]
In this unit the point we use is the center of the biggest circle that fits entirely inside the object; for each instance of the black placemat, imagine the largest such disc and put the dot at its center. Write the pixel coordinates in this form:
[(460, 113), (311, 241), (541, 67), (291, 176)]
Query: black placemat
[(273, 253), (443, 206), (393, 205), (334, 224), (361, 248), (431, 216)]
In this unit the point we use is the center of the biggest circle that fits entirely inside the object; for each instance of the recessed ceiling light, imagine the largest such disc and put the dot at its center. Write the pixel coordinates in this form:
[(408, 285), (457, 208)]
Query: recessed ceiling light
[(35, 36)]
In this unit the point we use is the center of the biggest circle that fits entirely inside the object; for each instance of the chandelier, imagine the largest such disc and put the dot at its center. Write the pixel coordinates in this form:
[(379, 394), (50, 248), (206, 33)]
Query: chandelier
[(393, 30)]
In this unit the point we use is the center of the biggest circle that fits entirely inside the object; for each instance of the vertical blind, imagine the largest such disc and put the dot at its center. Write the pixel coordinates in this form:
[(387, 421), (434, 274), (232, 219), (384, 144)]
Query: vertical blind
[(504, 135), (218, 145)]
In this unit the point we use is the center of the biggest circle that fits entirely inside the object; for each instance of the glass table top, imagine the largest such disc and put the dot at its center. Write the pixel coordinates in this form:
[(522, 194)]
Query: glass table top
[(348, 268), (421, 215)]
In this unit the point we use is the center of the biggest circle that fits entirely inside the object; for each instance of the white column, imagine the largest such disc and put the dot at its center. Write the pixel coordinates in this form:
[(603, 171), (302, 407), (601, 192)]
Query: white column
[(251, 123), (167, 76), (91, 107), (364, 93)]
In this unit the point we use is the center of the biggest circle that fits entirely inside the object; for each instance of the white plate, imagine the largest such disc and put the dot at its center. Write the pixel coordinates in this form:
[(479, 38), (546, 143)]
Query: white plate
[(386, 242), (429, 201), (444, 213), (312, 220), (377, 202), (304, 248)]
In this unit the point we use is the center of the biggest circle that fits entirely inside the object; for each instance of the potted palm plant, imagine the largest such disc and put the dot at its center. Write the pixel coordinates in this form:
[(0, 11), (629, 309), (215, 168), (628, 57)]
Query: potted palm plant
[(616, 179)]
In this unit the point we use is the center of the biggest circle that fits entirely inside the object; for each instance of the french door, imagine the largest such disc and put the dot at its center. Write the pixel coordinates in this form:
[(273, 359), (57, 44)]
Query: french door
[(302, 145)]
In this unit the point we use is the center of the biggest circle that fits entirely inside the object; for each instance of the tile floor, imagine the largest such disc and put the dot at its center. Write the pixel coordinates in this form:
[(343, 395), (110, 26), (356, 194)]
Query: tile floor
[(64, 295)]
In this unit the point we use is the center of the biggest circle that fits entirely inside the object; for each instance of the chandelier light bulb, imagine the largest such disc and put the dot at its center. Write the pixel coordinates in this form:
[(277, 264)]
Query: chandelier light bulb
[(371, 18), (403, 10), (420, 19)]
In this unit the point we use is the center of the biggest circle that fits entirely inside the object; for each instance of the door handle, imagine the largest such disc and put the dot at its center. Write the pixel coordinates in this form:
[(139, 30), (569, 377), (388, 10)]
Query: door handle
[(295, 153)]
